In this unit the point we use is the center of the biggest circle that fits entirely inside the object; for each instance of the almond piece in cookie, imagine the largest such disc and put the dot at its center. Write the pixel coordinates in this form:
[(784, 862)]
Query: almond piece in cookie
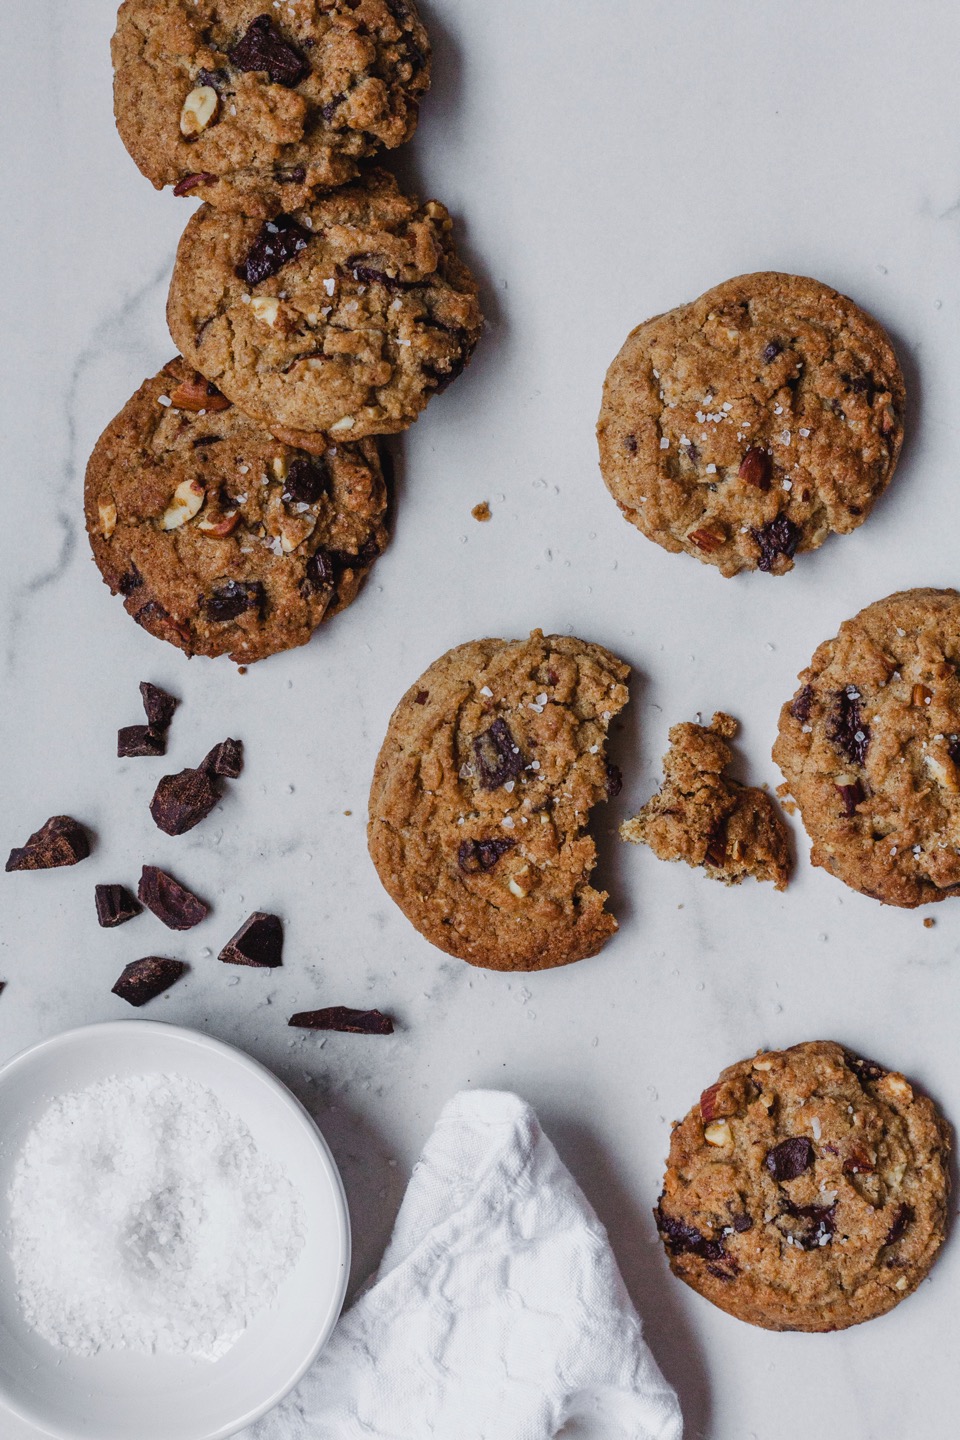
[(703, 817), (482, 794)]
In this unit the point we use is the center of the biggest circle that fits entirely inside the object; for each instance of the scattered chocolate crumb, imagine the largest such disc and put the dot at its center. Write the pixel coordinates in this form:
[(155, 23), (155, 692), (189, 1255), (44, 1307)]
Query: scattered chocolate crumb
[(482, 511), (171, 902), (143, 980), (61, 841), (224, 760), (115, 905), (181, 801), (158, 705), (341, 1017), (134, 740), (258, 942)]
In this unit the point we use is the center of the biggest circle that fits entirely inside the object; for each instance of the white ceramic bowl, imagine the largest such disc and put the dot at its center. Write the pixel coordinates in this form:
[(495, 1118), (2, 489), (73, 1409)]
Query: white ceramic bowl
[(121, 1396)]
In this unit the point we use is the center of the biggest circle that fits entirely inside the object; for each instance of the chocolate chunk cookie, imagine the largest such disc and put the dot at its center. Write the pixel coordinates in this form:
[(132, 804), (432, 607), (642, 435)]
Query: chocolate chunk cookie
[(220, 538), (870, 749), (703, 817), (807, 1190), (253, 107), (746, 426), (343, 316), (481, 796)]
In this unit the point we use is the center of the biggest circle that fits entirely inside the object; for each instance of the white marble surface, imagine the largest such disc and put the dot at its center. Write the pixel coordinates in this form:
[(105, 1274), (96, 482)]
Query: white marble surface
[(604, 162)]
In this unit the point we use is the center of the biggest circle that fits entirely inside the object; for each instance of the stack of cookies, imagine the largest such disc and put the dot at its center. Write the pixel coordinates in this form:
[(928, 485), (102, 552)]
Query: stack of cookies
[(238, 499)]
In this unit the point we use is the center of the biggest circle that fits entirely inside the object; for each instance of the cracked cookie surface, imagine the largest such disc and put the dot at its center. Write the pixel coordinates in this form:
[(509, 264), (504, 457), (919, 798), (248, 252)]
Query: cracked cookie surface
[(481, 796), (869, 747), (745, 427), (343, 317), (254, 108), (221, 539), (807, 1190), (702, 817)]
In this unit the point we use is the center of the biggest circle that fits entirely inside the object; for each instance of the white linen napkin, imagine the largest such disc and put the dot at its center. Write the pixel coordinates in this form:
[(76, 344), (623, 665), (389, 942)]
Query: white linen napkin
[(498, 1311)]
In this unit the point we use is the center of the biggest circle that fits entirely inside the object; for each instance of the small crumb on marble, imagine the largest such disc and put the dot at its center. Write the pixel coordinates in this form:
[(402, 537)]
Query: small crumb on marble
[(481, 512)]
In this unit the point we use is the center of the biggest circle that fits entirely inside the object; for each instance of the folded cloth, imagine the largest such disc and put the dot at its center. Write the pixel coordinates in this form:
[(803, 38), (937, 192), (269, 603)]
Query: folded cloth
[(498, 1311)]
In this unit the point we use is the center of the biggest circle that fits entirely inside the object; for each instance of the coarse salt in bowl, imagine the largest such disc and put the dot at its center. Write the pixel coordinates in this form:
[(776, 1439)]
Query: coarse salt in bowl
[(117, 1394)]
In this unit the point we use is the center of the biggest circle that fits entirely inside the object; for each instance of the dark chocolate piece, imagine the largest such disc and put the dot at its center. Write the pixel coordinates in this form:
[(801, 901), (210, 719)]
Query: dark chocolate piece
[(476, 855), (133, 740), (264, 48), (232, 598), (143, 980), (790, 1158), (171, 902), (258, 942), (307, 479), (778, 537), (157, 704), (181, 801), (277, 243), (115, 905), (341, 1017), (845, 727), (61, 841), (224, 760), (498, 756)]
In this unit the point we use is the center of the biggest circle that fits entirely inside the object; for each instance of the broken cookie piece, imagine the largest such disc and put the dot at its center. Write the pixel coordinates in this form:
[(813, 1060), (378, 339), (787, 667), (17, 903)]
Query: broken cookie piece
[(61, 841), (704, 817)]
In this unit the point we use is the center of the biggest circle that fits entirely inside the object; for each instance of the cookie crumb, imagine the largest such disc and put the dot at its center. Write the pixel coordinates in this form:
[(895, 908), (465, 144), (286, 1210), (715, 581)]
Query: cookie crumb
[(702, 817), (929, 923), (482, 511)]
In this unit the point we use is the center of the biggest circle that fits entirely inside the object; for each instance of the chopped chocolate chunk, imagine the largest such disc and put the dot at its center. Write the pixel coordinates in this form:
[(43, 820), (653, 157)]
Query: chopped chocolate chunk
[(778, 537), (421, 697), (801, 703), (320, 572), (145, 979), (171, 902), (742, 1223), (306, 481), (756, 467), (683, 1239), (61, 841), (790, 1158), (190, 182), (497, 755), (278, 242), (771, 351), (861, 385), (115, 905), (232, 598), (614, 781), (630, 443), (181, 801), (866, 1071), (341, 1017), (846, 729), (816, 1227), (225, 759), (158, 705), (851, 795), (898, 1228), (476, 855), (135, 740), (370, 275), (264, 48), (258, 942)]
